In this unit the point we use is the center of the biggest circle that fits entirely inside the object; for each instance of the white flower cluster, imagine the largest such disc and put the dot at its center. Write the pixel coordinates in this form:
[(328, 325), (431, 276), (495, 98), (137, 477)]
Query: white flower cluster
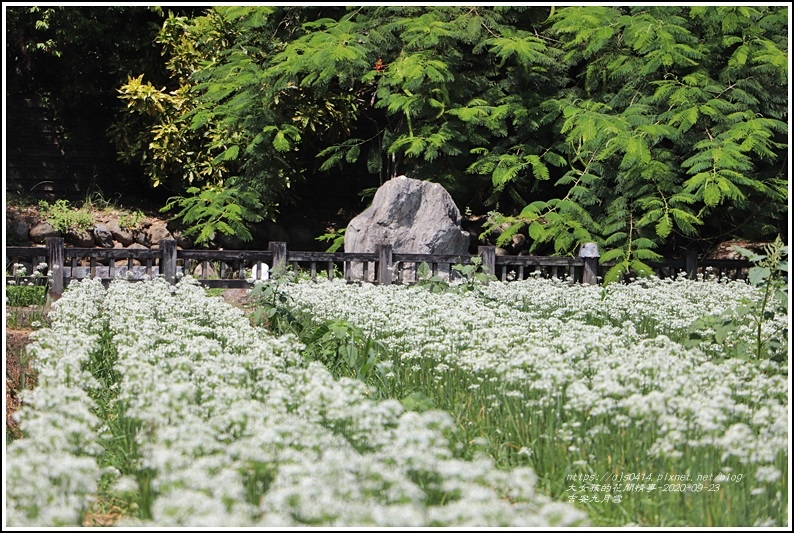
[(235, 429), (605, 355), (52, 473)]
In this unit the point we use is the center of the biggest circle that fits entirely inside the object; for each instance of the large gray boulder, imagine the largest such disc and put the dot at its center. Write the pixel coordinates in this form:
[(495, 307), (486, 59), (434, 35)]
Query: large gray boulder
[(416, 217)]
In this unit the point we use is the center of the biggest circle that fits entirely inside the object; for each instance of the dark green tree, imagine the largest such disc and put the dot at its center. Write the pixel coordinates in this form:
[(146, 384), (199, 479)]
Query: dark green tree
[(637, 127), (676, 125), (72, 59)]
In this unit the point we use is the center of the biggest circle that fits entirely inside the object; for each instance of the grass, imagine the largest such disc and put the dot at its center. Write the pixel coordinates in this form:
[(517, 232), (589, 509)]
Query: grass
[(25, 303), (25, 306), (24, 313), (25, 295), (25, 317)]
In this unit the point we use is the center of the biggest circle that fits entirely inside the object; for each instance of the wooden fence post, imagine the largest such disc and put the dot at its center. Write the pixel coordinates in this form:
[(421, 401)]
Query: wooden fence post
[(691, 264), (589, 252), (168, 263), (488, 254), (56, 253), (384, 264), (279, 250)]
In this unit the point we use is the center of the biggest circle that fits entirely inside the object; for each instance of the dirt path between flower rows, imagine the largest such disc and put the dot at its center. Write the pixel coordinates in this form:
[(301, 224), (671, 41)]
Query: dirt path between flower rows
[(17, 370)]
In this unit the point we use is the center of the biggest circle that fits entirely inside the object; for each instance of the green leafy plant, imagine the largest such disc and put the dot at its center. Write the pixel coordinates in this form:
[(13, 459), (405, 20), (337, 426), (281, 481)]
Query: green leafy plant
[(272, 304), (63, 217), (24, 292), (344, 349), (25, 302), (95, 200), (25, 295), (474, 274), (216, 209), (336, 238), (769, 275), (629, 248), (562, 222), (132, 219), (426, 278)]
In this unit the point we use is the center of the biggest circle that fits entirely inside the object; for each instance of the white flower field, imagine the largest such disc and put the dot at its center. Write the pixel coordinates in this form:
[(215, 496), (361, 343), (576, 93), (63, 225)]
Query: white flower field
[(532, 403)]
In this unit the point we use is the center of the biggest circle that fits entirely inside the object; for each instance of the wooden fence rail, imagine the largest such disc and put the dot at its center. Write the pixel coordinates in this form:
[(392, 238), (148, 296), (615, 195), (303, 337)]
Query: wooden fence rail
[(230, 268)]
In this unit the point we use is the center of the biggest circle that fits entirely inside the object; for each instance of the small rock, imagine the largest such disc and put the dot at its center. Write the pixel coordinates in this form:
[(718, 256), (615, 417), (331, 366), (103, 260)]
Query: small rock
[(519, 243), (141, 237), (236, 297), (136, 246), (158, 232), (181, 240), (79, 238), (17, 231), (589, 249), (102, 236), (122, 235), (41, 231)]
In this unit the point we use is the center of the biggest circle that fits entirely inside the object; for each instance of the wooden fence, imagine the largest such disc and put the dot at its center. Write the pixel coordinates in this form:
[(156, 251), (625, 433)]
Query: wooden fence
[(230, 268)]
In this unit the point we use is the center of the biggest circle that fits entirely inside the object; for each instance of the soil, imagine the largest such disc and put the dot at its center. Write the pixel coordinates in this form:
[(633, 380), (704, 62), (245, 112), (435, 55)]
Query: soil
[(19, 375)]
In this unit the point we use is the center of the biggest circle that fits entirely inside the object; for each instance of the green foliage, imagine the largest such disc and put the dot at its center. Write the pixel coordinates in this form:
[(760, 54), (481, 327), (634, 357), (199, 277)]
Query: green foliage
[(344, 349), (549, 118), (120, 447), (63, 217), (426, 278), (216, 209), (770, 276), (33, 316), (272, 304), (96, 201), (658, 126), (336, 238), (473, 275), (628, 247), (562, 222), (25, 295), (28, 294), (132, 219)]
